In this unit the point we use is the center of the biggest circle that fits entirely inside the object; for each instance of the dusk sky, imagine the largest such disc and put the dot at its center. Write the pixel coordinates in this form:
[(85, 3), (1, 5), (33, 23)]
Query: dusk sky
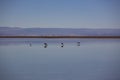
[(60, 13)]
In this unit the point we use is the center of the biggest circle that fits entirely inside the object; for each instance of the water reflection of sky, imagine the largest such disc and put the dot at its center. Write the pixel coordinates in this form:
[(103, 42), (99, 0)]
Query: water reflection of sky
[(94, 60)]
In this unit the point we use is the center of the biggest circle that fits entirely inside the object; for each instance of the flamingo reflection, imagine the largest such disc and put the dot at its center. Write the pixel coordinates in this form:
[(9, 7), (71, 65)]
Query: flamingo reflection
[(30, 44)]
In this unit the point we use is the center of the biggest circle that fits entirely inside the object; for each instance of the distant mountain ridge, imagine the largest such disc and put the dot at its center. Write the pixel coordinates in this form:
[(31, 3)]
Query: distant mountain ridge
[(16, 31)]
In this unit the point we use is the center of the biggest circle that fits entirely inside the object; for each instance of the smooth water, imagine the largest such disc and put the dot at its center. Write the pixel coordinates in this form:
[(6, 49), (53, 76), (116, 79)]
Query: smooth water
[(31, 59)]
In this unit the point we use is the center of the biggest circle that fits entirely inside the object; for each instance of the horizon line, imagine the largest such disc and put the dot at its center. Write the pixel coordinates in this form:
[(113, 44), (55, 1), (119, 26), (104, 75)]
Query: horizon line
[(57, 27)]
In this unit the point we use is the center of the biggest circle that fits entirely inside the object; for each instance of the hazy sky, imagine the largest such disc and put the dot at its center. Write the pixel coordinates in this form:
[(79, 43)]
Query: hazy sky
[(60, 13)]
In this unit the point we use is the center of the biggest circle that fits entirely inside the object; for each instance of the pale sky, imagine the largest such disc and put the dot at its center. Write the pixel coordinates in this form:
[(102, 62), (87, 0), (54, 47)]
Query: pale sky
[(60, 13)]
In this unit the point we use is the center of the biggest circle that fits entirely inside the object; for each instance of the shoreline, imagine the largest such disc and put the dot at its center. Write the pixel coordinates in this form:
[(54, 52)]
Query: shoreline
[(59, 36)]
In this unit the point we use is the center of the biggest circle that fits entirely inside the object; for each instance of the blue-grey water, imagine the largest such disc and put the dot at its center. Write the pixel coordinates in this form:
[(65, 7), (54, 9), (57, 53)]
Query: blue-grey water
[(31, 59)]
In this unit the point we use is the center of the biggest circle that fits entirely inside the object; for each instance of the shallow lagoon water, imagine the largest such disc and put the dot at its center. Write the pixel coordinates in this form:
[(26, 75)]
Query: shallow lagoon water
[(28, 59)]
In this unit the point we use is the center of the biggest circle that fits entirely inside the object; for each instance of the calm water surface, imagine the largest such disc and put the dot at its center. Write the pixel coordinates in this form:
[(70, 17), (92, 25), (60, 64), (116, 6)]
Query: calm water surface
[(30, 59)]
